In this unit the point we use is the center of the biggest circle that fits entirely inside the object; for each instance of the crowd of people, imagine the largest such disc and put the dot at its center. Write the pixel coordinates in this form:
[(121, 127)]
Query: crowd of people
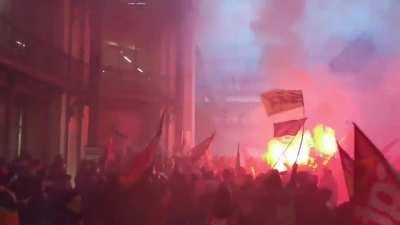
[(32, 193)]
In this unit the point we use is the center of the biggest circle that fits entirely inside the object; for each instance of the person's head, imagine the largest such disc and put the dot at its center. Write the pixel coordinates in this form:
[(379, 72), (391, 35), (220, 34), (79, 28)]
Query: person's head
[(35, 166), (5, 174), (26, 156), (327, 172), (227, 175), (208, 175), (241, 171), (273, 180), (4, 180), (3, 161), (4, 169), (58, 161), (325, 195), (247, 181), (66, 181), (306, 179)]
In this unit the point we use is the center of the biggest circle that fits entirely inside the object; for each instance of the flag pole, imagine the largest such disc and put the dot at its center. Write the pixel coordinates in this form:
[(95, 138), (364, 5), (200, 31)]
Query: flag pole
[(291, 141), (286, 148), (293, 176), (301, 143), (237, 165), (302, 135)]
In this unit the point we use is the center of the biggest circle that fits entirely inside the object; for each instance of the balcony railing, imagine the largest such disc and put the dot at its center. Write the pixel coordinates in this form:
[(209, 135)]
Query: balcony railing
[(34, 57)]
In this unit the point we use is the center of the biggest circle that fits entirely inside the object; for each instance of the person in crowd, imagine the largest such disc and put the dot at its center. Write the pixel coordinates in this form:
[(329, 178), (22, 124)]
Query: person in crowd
[(32, 193), (328, 181), (8, 202)]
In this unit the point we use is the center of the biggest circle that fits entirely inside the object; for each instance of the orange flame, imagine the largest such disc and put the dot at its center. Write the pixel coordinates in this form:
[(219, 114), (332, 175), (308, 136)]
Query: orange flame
[(253, 172), (282, 152), (325, 141)]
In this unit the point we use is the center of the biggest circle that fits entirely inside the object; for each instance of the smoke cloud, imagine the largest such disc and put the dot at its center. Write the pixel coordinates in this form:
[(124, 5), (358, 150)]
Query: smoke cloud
[(343, 54)]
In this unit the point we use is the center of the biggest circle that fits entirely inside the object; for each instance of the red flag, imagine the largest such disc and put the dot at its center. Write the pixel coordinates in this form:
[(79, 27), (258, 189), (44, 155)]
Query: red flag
[(143, 160), (112, 147), (290, 127), (110, 157), (238, 166), (390, 145), (348, 170), (376, 185), (278, 101), (200, 150)]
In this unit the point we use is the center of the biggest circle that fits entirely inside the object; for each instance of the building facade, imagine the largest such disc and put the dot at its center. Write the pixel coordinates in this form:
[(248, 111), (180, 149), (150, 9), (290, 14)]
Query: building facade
[(73, 73)]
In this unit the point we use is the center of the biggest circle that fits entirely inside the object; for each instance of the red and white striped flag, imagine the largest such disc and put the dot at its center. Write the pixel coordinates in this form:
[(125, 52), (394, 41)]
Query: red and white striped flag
[(277, 101), (290, 127)]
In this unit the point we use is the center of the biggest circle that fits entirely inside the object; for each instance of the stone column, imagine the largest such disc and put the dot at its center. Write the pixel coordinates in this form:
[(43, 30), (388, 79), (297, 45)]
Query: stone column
[(74, 137), (187, 69), (95, 18)]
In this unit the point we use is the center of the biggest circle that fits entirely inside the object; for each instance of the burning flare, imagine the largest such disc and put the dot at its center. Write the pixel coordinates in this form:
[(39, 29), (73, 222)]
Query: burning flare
[(282, 152)]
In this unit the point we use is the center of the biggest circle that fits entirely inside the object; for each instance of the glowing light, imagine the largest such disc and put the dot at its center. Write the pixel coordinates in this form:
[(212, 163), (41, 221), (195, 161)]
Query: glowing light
[(132, 47), (243, 99), (127, 59), (137, 3), (282, 152), (20, 43), (112, 43), (140, 70), (253, 172), (325, 141)]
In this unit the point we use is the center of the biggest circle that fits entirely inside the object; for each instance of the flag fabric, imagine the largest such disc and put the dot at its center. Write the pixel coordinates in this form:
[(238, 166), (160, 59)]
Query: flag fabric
[(376, 185), (110, 154), (290, 127), (237, 165), (277, 101), (347, 142), (198, 151), (144, 160), (389, 148), (348, 170), (114, 141)]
